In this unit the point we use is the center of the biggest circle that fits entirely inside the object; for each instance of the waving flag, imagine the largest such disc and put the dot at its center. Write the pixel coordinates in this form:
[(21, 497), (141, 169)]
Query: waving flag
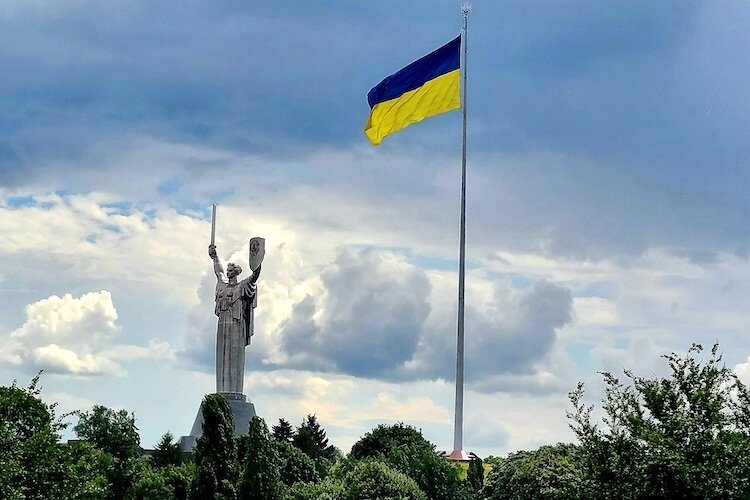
[(426, 87)]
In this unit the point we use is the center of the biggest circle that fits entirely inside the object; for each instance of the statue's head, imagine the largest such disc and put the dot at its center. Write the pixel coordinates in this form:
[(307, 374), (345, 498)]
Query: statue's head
[(233, 270)]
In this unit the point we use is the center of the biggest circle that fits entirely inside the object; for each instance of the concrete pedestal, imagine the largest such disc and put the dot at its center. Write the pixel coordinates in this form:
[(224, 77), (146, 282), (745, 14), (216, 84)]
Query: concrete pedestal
[(242, 411)]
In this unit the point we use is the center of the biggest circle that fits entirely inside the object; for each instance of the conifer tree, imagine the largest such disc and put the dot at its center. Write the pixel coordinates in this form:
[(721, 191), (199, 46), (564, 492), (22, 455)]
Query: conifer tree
[(475, 474), (261, 478), (283, 431), (318, 436), (167, 452), (216, 451)]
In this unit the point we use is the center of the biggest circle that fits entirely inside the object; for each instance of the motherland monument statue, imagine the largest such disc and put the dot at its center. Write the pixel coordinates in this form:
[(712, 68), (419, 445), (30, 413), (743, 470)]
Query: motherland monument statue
[(235, 303)]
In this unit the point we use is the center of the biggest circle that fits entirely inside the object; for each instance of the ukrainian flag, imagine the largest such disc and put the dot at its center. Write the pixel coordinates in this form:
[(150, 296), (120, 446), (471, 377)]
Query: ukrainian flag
[(427, 87)]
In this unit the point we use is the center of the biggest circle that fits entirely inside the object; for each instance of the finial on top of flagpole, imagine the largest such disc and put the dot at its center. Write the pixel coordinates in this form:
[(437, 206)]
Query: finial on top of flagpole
[(465, 8)]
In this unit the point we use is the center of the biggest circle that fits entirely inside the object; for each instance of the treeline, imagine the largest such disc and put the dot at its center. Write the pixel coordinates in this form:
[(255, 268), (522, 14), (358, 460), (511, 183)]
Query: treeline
[(686, 435), (107, 462)]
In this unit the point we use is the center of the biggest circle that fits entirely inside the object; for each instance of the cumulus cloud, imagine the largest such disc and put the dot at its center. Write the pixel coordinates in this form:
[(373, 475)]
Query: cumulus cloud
[(74, 335), (377, 316), (516, 330), (368, 321), (742, 370)]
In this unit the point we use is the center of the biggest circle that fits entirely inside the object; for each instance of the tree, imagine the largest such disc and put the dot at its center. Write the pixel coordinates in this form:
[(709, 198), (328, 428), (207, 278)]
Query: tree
[(295, 466), (682, 436), (319, 439), (33, 462), (113, 432), (165, 483), (548, 473), (406, 450), (475, 474), (283, 431), (215, 452), (372, 479), (260, 477), (167, 452), (305, 441), (329, 489)]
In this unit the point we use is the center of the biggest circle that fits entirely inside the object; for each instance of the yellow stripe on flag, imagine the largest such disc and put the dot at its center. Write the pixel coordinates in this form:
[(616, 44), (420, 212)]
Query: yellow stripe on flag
[(436, 96)]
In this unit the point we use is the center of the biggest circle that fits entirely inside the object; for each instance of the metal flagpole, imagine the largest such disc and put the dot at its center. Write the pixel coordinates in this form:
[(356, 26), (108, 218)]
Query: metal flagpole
[(458, 424)]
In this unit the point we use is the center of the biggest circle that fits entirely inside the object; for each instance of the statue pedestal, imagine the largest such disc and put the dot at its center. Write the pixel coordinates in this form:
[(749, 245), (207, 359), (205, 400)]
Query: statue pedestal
[(242, 411)]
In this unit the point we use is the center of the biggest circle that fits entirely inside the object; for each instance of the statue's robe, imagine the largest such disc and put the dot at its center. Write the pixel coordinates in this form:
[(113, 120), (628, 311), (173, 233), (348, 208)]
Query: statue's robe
[(234, 307)]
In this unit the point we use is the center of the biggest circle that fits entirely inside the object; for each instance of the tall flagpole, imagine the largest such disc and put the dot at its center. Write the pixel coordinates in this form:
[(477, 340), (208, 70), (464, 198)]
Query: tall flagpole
[(458, 424)]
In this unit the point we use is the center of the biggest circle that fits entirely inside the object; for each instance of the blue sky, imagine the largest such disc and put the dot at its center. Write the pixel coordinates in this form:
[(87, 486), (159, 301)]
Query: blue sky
[(606, 218)]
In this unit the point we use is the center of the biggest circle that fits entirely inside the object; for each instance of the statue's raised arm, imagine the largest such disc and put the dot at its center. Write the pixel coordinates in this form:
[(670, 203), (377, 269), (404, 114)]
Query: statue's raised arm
[(219, 269)]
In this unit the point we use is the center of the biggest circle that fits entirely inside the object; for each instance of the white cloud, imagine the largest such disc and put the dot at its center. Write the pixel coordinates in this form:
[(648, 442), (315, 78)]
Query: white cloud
[(75, 335), (595, 311), (55, 359), (742, 370)]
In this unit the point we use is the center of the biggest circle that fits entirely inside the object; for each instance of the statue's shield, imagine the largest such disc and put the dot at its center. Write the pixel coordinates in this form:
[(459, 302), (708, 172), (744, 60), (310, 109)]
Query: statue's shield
[(257, 252)]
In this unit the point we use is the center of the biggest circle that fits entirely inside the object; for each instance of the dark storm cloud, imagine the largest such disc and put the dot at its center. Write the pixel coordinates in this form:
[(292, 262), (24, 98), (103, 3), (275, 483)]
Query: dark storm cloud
[(641, 106), (250, 78)]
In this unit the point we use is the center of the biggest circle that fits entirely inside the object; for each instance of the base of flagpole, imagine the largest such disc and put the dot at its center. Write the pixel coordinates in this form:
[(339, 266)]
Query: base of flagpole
[(459, 456)]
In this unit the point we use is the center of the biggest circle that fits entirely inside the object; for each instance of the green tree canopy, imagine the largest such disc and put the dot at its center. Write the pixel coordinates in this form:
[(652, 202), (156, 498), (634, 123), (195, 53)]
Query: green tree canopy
[(167, 452), (310, 426), (261, 478), (295, 466), (114, 434), (215, 452), (111, 431), (33, 462), (681, 436), (171, 482), (548, 473), (283, 431), (375, 480), (406, 450)]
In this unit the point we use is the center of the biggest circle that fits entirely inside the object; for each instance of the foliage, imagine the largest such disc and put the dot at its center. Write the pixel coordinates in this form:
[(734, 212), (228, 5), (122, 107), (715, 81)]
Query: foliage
[(305, 442), (260, 476), (328, 489), (167, 452), (114, 434), (215, 452), (33, 463), (165, 483), (111, 431), (372, 479), (295, 466), (406, 450), (283, 431), (311, 440), (685, 436), (475, 474), (318, 435), (550, 472)]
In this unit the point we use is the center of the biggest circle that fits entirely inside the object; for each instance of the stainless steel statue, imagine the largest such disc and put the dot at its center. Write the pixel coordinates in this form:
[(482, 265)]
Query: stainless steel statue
[(235, 305)]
